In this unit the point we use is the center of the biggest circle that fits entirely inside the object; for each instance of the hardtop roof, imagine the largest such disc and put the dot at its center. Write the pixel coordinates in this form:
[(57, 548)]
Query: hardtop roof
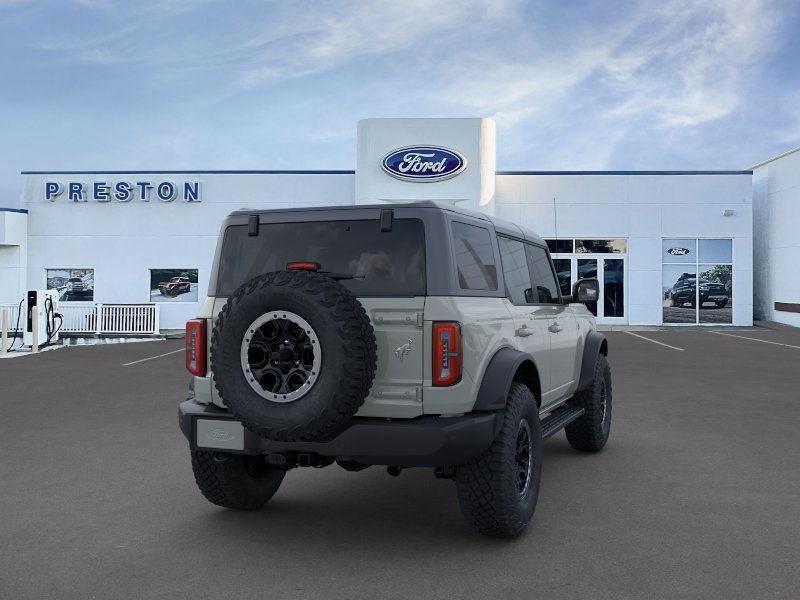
[(500, 225)]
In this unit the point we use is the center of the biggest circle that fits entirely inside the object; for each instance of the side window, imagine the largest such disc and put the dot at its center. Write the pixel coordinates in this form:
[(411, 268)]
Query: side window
[(544, 279), (474, 257), (515, 271)]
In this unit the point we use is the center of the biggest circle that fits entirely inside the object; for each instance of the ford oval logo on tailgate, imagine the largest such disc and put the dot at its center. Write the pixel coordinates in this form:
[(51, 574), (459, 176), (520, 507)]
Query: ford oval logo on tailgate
[(423, 163)]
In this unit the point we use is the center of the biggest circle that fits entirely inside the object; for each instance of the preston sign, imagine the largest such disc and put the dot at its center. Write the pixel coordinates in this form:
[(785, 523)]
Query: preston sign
[(122, 191), (423, 163)]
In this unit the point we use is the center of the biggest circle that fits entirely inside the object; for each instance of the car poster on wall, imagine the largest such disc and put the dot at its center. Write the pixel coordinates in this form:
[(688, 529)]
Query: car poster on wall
[(173, 285), (73, 285)]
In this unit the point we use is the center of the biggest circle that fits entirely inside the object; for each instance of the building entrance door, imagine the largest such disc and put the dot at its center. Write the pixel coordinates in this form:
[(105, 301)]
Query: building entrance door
[(609, 270)]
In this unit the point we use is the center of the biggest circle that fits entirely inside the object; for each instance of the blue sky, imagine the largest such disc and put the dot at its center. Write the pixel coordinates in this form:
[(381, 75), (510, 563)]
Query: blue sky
[(192, 84)]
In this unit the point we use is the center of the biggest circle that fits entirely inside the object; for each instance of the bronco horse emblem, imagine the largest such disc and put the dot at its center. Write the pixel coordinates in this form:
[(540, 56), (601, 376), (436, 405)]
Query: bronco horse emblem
[(402, 351)]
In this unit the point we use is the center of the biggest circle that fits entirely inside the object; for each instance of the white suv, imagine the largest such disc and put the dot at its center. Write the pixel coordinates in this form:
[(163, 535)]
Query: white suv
[(410, 335)]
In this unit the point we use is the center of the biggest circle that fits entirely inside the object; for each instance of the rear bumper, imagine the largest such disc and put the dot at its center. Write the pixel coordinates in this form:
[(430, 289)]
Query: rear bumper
[(422, 442)]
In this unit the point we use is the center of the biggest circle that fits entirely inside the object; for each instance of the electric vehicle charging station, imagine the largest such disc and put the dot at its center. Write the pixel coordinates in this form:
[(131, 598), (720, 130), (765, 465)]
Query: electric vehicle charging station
[(42, 320)]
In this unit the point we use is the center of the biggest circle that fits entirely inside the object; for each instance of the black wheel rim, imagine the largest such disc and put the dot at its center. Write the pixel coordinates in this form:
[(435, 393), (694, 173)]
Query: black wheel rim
[(523, 459), (281, 356), (603, 402)]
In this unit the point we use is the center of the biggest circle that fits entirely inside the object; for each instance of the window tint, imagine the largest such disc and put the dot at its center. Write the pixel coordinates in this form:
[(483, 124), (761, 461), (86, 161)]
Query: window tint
[(544, 279), (474, 257), (515, 270), (390, 263)]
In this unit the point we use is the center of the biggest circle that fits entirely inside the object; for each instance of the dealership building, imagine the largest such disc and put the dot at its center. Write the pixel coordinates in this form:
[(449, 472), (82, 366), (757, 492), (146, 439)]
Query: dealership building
[(671, 248)]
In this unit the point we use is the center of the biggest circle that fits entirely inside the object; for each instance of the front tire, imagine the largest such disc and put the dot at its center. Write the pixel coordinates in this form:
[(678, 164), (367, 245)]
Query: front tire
[(589, 433), (235, 480), (498, 490)]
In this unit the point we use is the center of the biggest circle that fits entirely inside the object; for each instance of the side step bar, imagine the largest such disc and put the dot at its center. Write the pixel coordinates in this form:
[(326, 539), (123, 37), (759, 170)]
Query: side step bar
[(558, 419)]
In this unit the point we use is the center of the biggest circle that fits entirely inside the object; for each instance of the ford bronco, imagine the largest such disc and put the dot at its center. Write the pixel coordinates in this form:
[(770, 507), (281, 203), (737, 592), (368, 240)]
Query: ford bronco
[(175, 286), (406, 335)]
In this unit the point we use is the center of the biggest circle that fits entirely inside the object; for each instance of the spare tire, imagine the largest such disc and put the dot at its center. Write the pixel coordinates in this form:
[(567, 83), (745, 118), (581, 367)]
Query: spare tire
[(293, 355)]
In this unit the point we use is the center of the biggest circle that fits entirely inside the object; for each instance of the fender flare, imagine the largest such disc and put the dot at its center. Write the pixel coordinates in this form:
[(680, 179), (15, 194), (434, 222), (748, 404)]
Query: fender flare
[(498, 377), (595, 344)]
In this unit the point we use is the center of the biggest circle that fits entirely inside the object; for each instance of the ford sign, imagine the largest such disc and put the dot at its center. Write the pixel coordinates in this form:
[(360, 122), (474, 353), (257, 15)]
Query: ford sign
[(678, 251), (423, 163)]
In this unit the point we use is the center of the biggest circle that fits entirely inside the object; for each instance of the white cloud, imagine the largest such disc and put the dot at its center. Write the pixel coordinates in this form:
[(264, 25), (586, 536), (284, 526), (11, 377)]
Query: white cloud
[(339, 33)]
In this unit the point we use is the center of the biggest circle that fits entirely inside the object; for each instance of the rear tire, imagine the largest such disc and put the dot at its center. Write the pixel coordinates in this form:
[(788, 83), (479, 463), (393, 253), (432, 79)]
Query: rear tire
[(493, 497), (590, 432), (235, 480)]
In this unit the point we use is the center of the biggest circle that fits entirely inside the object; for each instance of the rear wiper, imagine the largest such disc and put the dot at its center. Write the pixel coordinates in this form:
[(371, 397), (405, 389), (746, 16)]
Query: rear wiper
[(341, 276)]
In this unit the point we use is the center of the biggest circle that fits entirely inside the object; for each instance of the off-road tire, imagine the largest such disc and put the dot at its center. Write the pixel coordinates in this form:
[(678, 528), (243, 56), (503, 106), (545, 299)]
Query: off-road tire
[(348, 355), (589, 433), (488, 493), (235, 480)]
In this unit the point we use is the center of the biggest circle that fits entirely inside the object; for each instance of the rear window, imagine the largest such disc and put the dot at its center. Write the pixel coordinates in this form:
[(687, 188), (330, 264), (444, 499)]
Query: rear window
[(390, 263)]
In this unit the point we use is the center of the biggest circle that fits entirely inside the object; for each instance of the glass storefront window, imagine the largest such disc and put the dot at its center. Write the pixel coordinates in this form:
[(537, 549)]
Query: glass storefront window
[(695, 291), (613, 287), (571, 262), (679, 251), (679, 286), (587, 269), (716, 293), (559, 246), (715, 251), (615, 246)]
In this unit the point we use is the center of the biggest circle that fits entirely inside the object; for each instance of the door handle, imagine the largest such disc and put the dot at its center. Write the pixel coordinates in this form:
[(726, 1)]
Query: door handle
[(554, 328), (523, 331)]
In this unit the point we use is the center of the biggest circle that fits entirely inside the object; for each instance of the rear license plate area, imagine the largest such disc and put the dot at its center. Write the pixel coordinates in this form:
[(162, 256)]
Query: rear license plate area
[(219, 434)]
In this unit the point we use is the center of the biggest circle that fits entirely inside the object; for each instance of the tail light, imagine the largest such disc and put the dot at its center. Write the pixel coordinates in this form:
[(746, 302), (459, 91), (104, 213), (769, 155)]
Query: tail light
[(196, 347), (447, 353), (302, 266)]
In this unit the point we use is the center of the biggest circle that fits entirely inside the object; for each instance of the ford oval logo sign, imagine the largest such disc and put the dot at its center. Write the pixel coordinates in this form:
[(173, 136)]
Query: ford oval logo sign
[(678, 251), (423, 163)]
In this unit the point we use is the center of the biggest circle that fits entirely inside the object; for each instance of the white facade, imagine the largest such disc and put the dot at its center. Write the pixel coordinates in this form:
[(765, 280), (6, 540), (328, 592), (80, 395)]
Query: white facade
[(13, 254), (122, 240), (644, 209), (776, 198)]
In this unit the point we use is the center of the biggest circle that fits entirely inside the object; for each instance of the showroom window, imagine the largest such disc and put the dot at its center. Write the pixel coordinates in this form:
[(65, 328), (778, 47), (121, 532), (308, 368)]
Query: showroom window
[(73, 285), (601, 259), (697, 281)]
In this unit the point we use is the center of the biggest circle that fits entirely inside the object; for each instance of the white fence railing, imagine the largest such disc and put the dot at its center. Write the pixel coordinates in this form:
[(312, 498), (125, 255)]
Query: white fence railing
[(12, 316), (100, 318)]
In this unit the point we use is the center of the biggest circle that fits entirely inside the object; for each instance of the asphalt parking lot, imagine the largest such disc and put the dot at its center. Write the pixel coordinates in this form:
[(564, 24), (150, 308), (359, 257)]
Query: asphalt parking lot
[(695, 496)]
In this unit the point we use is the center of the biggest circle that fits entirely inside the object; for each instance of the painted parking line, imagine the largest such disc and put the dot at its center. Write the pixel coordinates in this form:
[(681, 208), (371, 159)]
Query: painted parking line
[(141, 360), (755, 339), (654, 341)]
